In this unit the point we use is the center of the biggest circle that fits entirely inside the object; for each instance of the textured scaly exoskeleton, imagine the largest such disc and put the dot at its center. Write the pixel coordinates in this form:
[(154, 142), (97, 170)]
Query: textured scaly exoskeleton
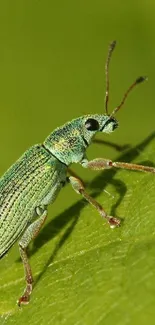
[(35, 180)]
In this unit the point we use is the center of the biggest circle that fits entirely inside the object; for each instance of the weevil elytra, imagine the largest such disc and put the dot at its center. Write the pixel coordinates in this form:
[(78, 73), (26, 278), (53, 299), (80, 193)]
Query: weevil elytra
[(34, 181)]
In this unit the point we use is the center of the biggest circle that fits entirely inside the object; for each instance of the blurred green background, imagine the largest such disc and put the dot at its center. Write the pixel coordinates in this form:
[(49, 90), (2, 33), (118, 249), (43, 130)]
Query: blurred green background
[(52, 57)]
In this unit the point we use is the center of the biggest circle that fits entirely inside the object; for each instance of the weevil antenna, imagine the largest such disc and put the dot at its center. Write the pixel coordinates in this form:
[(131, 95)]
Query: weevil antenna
[(111, 48), (138, 80)]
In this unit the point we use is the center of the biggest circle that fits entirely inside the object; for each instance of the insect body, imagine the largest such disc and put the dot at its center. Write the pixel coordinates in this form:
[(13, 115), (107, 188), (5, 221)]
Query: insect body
[(35, 180)]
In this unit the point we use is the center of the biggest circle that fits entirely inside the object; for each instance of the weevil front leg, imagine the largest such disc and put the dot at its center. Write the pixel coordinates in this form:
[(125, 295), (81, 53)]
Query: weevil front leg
[(79, 188), (30, 233), (101, 163)]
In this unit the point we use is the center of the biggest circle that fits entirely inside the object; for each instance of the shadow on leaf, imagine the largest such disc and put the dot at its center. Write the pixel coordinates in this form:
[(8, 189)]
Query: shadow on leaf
[(70, 215)]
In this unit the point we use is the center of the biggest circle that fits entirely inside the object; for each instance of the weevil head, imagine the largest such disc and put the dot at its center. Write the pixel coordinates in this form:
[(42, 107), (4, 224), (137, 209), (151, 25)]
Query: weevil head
[(91, 124), (99, 123), (70, 141)]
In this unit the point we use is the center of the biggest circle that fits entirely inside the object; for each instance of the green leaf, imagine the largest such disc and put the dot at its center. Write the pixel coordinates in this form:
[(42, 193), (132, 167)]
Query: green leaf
[(85, 272)]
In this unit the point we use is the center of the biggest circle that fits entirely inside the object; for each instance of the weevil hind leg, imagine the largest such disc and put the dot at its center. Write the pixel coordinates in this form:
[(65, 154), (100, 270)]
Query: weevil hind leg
[(30, 233), (79, 188)]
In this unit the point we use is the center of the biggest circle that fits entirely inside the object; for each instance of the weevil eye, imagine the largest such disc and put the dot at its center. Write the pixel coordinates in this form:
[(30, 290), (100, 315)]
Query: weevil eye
[(92, 125)]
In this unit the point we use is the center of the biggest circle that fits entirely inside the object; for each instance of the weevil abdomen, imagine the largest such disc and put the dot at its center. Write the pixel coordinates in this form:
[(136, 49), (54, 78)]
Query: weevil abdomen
[(26, 185)]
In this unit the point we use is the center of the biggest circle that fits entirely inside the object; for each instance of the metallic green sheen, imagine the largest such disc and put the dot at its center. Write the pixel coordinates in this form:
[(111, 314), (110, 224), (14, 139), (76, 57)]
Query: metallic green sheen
[(67, 142), (36, 178), (22, 189)]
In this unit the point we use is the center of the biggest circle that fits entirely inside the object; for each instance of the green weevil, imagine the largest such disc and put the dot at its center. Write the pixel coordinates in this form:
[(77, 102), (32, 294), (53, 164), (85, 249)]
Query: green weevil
[(35, 179)]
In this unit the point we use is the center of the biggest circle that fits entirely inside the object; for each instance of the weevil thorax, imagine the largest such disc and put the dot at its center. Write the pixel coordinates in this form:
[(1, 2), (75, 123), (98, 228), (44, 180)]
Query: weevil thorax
[(69, 142)]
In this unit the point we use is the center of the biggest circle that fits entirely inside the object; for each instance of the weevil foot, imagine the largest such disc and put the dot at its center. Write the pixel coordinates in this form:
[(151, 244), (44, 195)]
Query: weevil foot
[(114, 222), (25, 298)]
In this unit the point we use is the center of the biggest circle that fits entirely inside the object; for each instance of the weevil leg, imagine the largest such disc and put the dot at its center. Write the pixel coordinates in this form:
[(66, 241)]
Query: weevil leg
[(100, 163), (30, 233), (79, 188)]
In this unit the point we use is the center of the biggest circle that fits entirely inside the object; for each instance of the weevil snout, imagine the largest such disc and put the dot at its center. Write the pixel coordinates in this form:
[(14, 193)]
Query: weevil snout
[(110, 125), (114, 123)]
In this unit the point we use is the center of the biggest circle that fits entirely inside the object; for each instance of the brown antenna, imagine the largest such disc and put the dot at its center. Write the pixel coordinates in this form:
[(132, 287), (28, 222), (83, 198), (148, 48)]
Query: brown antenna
[(111, 48), (138, 80)]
